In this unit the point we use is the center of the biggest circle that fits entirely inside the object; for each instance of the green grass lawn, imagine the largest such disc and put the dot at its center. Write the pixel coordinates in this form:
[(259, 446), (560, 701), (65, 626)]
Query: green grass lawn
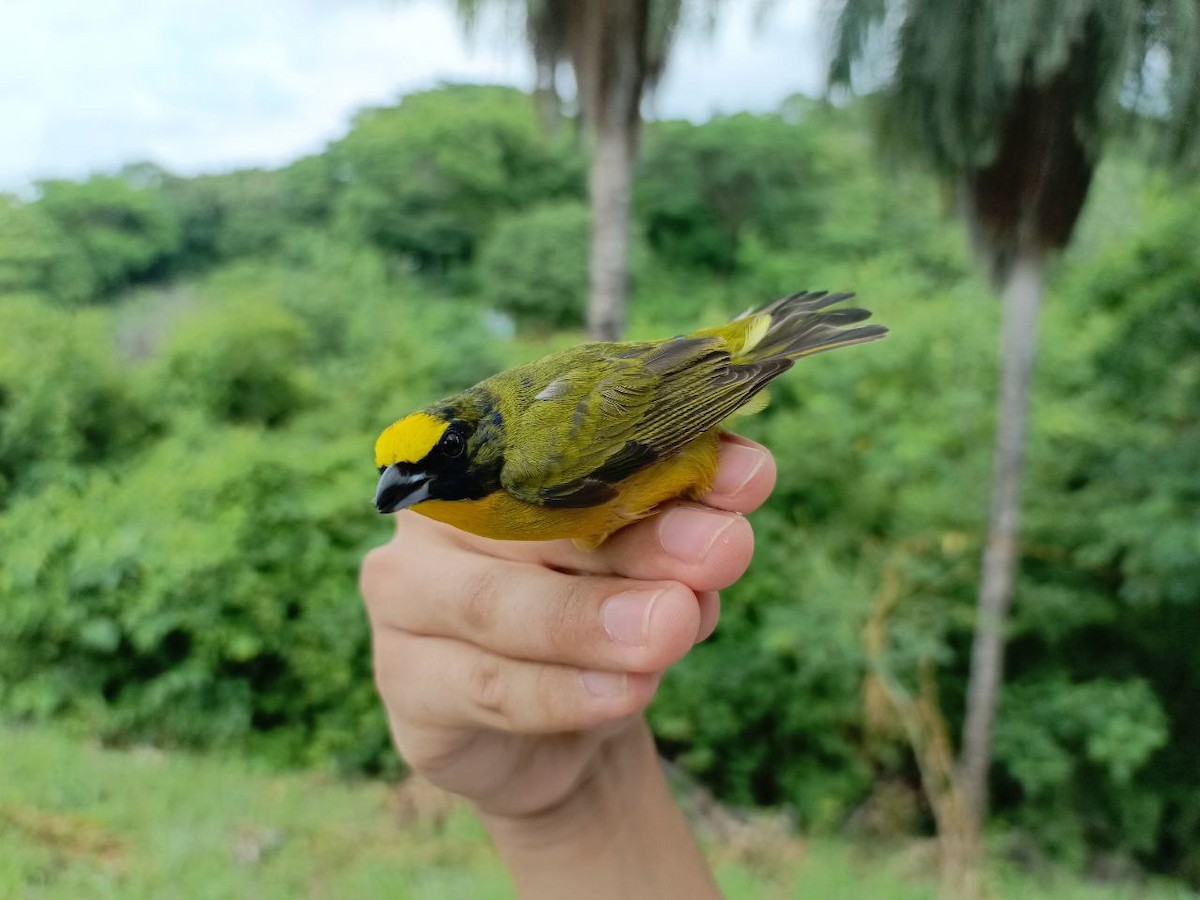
[(81, 821)]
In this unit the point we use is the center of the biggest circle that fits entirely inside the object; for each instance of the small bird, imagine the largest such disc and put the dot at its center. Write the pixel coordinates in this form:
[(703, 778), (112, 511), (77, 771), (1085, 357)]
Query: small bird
[(584, 442)]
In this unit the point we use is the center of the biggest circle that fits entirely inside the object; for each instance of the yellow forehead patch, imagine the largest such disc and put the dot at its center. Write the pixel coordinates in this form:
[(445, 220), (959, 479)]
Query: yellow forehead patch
[(409, 440)]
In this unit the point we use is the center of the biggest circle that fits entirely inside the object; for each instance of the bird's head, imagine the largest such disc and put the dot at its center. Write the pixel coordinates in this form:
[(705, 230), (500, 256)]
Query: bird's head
[(436, 454)]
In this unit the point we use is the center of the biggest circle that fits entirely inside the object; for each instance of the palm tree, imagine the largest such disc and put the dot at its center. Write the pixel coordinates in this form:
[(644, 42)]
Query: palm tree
[(1013, 101), (616, 48)]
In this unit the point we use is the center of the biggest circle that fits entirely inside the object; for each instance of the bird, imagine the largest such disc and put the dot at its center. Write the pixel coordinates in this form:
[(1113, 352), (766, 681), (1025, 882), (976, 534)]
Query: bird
[(585, 441)]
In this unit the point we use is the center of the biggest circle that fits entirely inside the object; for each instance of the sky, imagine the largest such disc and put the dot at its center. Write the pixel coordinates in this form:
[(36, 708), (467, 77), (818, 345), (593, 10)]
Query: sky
[(211, 85)]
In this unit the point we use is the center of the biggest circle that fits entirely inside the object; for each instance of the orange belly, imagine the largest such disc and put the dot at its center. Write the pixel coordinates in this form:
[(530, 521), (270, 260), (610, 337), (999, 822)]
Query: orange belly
[(503, 517)]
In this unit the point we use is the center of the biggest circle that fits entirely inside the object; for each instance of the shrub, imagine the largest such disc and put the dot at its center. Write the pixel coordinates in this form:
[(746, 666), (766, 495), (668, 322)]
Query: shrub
[(239, 363), (38, 257), (426, 177), (126, 230), (205, 597), (535, 265), (64, 401)]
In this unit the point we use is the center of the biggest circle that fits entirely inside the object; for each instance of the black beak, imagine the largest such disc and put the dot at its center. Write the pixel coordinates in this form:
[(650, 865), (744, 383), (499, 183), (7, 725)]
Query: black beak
[(399, 490)]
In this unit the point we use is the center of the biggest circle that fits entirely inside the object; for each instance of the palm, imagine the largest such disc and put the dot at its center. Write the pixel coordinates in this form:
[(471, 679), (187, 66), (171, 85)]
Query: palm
[(616, 49)]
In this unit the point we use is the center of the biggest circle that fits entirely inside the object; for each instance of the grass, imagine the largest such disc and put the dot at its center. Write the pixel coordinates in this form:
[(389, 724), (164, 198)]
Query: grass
[(81, 821)]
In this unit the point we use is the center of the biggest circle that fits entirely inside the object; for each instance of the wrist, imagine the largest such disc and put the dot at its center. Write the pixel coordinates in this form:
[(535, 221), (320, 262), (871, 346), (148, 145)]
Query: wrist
[(599, 801), (618, 833)]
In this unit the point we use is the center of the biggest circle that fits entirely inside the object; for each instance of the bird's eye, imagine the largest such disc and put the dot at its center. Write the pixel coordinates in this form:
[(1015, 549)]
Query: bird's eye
[(453, 444)]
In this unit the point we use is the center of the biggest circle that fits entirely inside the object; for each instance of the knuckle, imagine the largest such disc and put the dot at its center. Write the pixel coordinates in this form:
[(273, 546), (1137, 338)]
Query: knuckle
[(550, 710), (489, 688), (381, 575), (480, 594), (563, 616)]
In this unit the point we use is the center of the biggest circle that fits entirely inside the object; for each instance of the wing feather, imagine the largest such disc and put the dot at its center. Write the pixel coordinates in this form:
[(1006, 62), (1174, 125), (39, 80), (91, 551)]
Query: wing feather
[(613, 409), (652, 400)]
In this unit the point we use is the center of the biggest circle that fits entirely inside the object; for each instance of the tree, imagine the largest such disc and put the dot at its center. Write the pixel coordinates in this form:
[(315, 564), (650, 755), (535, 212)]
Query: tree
[(534, 265), (704, 189), (616, 48), (38, 256), (1013, 102), (426, 177), (126, 229)]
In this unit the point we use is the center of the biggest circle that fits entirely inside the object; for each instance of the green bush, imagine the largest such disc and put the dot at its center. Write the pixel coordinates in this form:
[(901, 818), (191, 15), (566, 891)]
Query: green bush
[(65, 402), (702, 188), (206, 596), (229, 216), (39, 257), (534, 266), (126, 230), (426, 177), (239, 363)]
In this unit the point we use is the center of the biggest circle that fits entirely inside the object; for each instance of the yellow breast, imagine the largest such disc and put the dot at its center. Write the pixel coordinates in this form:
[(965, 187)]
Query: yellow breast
[(503, 517)]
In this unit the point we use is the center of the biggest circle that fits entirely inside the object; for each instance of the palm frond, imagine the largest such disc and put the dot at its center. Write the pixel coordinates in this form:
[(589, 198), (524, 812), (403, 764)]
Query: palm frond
[(855, 23)]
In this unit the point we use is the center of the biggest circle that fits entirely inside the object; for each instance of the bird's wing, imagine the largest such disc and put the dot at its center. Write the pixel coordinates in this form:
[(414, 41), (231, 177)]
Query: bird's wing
[(587, 434)]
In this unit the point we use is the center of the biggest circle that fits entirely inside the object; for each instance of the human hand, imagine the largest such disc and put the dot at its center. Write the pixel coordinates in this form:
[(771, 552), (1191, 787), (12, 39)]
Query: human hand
[(510, 670)]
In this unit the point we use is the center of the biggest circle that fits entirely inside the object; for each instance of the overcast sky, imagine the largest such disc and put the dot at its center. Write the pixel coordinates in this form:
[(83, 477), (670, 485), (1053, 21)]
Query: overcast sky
[(209, 85)]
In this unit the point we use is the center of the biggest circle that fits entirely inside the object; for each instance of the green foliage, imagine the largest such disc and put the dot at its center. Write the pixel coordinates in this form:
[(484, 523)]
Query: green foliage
[(1152, 363), (534, 266), (64, 401), (786, 200), (731, 708), (240, 365), (225, 217), (197, 586), (1056, 739), (205, 596), (425, 178), (702, 188), (309, 187), (39, 257), (125, 230)]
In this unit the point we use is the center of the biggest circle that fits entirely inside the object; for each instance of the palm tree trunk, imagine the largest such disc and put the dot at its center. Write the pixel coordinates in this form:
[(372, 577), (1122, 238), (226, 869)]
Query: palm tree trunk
[(1022, 297), (610, 185)]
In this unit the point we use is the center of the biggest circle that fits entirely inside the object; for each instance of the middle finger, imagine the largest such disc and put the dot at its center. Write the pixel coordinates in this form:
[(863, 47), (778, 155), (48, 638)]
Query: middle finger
[(526, 611)]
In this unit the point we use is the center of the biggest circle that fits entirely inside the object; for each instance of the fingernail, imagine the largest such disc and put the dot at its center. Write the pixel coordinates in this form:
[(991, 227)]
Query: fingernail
[(626, 616), (604, 684), (688, 533), (739, 464)]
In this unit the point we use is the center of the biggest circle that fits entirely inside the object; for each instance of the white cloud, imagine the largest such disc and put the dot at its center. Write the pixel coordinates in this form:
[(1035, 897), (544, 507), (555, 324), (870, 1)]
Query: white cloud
[(200, 85), (747, 65)]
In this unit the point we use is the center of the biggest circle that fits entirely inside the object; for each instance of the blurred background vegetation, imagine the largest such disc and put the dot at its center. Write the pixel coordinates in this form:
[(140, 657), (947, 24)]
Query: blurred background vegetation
[(193, 370)]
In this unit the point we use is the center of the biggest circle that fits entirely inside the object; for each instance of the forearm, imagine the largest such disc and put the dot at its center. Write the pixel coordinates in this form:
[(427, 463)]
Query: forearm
[(620, 835)]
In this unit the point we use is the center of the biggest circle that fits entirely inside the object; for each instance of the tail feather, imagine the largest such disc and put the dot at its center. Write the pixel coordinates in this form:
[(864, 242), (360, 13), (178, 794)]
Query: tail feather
[(845, 316), (799, 302), (796, 326)]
